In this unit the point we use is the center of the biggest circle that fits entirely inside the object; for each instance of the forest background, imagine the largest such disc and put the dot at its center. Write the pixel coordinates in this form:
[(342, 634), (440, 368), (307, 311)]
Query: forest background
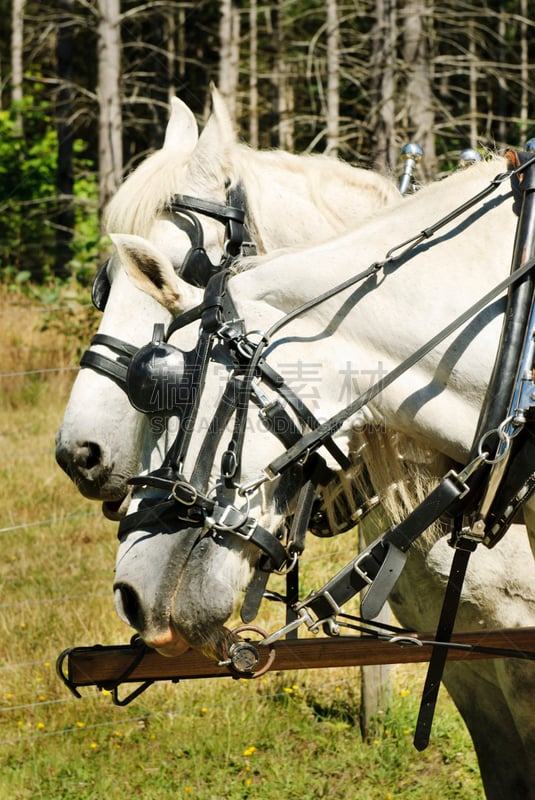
[(84, 96), (85, 87)]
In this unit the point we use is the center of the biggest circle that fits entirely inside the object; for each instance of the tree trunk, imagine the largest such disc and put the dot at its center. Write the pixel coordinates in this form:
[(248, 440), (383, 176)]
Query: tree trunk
[(524, 70), (253, 74), (17, 63), (170, 33), (181, 43), (283, 87), (333, 79), (110, 118), (383, 76), (419, 102), (474, 74), (64, 114), (229, 57)]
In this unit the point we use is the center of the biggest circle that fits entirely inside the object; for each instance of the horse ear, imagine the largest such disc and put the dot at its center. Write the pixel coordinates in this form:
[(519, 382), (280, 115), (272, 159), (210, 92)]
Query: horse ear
[(182, 133), (221, 114), (152, 272), (217, 138)]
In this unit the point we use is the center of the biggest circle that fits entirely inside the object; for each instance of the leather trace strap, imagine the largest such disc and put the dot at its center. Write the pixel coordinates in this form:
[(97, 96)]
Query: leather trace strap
[(378, 566), (439, 655)]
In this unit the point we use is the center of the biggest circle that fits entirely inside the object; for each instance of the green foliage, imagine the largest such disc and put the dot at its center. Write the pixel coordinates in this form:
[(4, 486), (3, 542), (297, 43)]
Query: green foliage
[(29, 199), (476, 63), (28, 162), (85, 243)]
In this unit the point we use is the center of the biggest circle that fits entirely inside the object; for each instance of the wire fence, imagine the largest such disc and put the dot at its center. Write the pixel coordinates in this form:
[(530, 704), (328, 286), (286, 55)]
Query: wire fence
[(29, 670)]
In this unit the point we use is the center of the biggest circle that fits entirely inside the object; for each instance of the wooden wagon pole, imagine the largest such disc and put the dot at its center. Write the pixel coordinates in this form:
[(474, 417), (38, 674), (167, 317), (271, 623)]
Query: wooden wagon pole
[(104, 666)]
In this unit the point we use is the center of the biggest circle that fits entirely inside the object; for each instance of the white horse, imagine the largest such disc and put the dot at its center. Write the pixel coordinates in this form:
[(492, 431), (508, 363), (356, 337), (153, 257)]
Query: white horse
[(288, 200), (178, 582)]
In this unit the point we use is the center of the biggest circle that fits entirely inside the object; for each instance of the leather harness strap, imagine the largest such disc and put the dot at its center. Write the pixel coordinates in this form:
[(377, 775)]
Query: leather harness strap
[(439, 655), (114, 369)]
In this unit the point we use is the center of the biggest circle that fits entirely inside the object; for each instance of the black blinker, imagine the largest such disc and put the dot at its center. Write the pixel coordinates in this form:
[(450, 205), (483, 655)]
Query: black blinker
[(154, 381), (100, 290)]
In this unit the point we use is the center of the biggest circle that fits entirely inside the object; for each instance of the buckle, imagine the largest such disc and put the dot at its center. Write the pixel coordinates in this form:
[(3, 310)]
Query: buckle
[(221, 519), (193, 494)]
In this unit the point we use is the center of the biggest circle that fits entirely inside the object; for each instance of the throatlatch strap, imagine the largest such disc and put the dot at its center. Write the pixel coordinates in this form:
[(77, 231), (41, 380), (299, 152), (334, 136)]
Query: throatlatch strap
[(440, 654)]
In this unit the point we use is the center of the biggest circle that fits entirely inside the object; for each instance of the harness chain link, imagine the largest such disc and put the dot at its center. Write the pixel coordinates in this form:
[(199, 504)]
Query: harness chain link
[(380, 564)]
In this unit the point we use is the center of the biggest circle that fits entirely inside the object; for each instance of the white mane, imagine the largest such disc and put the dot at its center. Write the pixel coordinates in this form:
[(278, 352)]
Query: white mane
[(317, 179)]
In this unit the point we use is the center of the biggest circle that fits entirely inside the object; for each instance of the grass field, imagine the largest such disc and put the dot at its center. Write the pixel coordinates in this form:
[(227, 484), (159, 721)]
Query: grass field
[(285, 736)]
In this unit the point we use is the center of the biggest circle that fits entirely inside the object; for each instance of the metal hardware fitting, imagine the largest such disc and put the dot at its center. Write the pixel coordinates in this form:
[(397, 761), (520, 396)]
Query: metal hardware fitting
[(303, 617), (251, 486), (244, 656)]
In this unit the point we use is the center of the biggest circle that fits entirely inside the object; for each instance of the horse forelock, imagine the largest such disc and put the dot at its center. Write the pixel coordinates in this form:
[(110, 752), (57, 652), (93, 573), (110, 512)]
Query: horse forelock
[(325, 182), (145, 193)]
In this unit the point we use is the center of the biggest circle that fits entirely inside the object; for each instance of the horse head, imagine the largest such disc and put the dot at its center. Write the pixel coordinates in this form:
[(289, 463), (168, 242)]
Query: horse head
[(189, 205), (98, 443), (191, 546)]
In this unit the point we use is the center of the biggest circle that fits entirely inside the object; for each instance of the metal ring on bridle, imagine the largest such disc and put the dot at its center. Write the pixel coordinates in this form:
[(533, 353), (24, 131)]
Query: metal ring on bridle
[(246, 347), (290, 566)]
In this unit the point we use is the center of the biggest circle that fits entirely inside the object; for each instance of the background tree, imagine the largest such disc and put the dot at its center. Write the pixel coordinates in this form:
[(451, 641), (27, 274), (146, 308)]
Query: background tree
[(64, 116), (333, 78), (110, 146), (17, 63), (88, 82)]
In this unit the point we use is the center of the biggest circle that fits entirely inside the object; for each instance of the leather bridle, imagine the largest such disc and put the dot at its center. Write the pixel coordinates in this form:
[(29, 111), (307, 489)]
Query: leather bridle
[(197, 269)]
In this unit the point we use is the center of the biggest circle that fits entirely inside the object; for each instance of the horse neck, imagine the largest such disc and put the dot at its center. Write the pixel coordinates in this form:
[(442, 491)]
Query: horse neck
[(305, 199)]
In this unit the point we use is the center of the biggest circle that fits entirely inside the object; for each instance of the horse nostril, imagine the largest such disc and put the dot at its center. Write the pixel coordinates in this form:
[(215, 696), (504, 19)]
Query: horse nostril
[(88, 455), (127, 605)]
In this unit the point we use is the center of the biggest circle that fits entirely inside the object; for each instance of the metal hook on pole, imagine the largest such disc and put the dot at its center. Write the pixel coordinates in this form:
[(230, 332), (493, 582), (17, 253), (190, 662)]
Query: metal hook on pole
[(410, 153)]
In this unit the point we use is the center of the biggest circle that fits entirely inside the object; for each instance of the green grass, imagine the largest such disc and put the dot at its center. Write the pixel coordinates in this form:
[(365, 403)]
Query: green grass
[(288, 736)]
